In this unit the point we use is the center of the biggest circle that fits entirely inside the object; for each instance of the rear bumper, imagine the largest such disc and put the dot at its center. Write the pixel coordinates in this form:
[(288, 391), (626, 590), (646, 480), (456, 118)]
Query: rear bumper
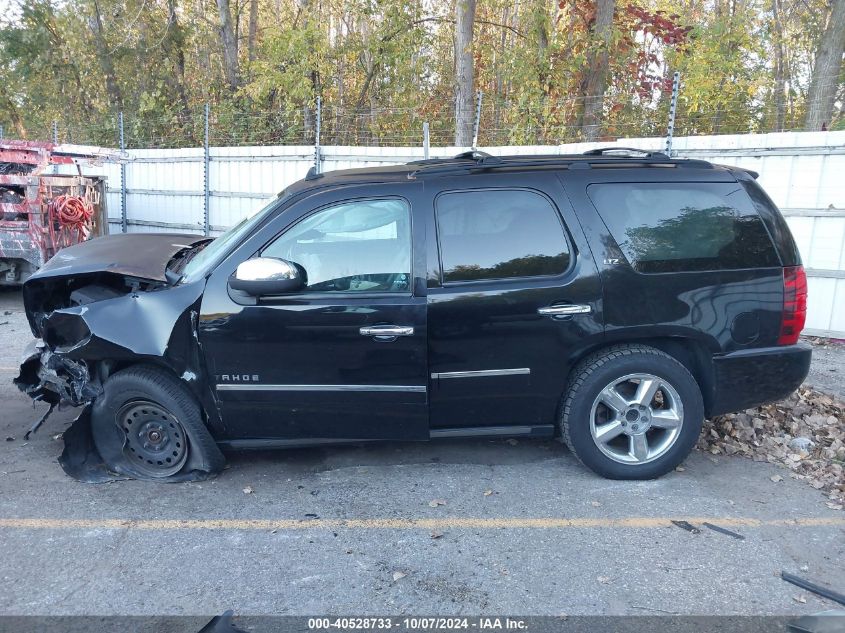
[(749, 378)]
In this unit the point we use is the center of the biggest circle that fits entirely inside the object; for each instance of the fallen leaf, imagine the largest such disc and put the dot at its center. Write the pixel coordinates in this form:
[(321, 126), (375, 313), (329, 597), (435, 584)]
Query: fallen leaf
[(436, 502), (800, 599), (595, 504), (436, 534), (804, 568), (803, 432), (398, 575), (248, 490), (680, 469), (603, 579), (487, 493)]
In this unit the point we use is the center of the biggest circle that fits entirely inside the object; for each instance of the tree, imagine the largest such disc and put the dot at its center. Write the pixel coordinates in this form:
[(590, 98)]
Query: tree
[(596, 80), (229, 40), (173, 46), (253, 29), (383, 67), (464, 71), (826, 70), (106, 57), (779, 66)]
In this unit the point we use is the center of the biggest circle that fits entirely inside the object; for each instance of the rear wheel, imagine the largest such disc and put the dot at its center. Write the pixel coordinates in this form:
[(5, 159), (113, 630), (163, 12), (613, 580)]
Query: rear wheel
[(146, 424), (631, 412)]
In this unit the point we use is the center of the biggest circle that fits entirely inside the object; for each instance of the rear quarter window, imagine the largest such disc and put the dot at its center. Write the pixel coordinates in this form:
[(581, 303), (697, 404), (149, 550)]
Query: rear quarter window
[(675, 227), (774, 221)]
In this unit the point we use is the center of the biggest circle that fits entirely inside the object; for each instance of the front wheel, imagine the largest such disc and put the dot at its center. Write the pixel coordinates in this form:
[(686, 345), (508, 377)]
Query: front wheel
[(147, 425), (631, 412)]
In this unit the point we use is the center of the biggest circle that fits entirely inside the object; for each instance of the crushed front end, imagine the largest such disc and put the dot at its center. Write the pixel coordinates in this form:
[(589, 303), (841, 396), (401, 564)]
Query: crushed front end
[(90, 323), (55, 379)]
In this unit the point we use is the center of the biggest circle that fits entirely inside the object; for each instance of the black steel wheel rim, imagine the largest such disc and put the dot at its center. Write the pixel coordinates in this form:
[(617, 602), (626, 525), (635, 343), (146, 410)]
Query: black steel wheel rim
[(155, 442)]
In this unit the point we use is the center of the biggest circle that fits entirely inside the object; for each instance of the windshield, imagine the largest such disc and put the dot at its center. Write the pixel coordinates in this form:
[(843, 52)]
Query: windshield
[(205, 259)]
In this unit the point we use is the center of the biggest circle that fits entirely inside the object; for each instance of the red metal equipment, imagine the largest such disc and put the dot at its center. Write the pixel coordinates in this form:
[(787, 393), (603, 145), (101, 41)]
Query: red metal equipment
[(41, 213)]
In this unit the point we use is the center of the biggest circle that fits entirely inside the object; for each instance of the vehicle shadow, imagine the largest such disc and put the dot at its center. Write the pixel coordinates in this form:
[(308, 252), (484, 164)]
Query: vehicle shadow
[(477, 451)]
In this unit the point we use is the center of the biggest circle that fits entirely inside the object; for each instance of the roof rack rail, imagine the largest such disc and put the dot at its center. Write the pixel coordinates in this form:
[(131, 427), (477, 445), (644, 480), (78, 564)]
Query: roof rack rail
[(603, 151), (481, 161), (474, 155), (313, 174)]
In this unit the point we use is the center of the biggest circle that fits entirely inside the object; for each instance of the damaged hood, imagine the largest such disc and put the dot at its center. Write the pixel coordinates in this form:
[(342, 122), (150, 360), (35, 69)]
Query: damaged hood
[(142, 255)]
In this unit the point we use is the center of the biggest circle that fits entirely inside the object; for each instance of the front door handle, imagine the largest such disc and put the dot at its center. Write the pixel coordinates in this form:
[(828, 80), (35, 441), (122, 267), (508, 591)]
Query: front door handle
[(386, 332), (564, 309)]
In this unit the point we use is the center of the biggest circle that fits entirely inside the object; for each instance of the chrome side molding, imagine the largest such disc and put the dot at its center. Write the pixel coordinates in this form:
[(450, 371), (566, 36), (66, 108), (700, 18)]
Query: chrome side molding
[(483, 373), (382, 388)]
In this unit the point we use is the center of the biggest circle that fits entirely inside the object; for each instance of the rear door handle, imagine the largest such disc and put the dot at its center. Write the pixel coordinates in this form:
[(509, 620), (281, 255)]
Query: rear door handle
[(387, 332), (564, 309)]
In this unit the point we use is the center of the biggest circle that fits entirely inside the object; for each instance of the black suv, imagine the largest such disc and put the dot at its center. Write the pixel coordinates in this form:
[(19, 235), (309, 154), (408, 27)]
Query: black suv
[(611, 299)]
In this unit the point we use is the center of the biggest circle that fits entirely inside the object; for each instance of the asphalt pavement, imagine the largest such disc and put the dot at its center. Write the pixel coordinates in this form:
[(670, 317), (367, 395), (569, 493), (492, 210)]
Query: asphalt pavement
[(448, 527)]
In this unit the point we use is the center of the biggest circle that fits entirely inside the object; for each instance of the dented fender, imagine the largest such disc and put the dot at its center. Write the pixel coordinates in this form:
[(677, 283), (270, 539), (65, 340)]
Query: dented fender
[(157, 326), (81, 345)]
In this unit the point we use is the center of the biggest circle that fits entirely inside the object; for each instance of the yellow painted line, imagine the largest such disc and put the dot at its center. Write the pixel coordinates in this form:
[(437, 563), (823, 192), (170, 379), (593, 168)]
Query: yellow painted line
[(407, 524)]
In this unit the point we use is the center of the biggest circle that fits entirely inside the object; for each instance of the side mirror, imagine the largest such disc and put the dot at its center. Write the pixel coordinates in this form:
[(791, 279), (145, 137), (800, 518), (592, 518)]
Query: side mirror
[(267, 276)]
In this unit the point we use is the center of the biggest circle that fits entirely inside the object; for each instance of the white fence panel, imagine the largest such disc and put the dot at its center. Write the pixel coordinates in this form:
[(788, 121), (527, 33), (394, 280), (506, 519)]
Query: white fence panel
[(801, 171)]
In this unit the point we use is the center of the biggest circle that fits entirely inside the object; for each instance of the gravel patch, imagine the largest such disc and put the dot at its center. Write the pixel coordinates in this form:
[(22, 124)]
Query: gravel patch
[(827, 371)]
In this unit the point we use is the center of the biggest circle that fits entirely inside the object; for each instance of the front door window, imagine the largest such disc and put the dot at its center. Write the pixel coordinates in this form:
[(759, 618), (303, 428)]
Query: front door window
[(358, 246)]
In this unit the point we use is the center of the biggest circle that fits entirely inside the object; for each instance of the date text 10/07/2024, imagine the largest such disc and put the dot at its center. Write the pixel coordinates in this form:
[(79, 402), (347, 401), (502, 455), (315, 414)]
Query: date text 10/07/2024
[(418, 623)]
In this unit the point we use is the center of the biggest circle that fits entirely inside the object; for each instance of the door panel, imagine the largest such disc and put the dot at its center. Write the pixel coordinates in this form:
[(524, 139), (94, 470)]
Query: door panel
[(493, 359), (298, 366), (310, 373)]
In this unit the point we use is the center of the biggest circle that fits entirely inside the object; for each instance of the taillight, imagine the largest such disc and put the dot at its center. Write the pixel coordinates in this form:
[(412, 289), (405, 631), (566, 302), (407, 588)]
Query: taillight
[(794, 304)]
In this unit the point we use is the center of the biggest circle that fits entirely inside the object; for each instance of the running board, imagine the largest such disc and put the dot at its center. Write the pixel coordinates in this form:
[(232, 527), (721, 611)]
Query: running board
[(538, 430), (274, 443)]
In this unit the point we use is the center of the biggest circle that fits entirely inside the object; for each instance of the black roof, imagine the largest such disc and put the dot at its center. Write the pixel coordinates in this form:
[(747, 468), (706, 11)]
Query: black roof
[(477, 162)]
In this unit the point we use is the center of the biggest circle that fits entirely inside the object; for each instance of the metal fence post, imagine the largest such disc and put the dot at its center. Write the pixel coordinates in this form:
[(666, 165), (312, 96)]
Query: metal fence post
[(122, 139), (206, 223), (318, 159), (55, 168), (426, 140), (477, 123), (673, 106)]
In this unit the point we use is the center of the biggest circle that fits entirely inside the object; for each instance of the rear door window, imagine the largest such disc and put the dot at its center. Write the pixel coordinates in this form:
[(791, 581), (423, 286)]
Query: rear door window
[(672, 227), (499, 234)]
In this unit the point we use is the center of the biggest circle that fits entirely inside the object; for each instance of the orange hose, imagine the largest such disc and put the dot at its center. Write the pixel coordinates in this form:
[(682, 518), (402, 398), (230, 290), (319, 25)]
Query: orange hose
[(74, 212)]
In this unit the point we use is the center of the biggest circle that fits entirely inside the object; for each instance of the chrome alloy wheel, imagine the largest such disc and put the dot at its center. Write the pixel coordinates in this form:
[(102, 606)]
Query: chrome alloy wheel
[(636, 419)]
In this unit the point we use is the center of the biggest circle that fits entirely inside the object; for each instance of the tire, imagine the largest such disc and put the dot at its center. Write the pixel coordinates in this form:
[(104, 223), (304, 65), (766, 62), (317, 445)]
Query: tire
[(631, 412), (147, 425)]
